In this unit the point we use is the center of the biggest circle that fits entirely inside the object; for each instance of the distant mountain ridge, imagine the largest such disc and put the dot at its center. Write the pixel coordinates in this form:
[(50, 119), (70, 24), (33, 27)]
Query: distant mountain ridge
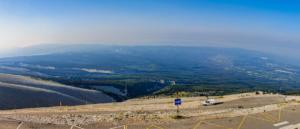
[(47, 49)]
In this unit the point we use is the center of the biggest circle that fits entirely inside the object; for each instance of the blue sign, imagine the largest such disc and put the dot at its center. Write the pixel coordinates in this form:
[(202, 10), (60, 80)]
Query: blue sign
[(177, 102)]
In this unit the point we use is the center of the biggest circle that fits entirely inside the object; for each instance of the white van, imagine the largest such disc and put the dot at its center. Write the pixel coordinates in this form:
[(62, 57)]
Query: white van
[(209, 102)]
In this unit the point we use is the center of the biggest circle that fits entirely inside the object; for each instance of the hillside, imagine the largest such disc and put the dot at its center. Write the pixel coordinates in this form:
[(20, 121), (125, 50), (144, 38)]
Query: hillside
[(25, 92)]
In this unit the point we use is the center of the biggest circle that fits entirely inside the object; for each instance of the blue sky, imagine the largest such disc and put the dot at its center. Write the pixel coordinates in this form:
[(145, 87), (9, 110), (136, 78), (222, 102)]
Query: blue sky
[(265, 25)]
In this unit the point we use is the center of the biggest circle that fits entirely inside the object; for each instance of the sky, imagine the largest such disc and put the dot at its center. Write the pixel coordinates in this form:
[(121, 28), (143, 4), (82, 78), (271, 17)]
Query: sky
[(265, 25)]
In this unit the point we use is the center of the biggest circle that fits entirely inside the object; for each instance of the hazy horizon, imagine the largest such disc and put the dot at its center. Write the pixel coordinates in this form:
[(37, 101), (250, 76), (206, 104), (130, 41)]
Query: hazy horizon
[(265, 25)]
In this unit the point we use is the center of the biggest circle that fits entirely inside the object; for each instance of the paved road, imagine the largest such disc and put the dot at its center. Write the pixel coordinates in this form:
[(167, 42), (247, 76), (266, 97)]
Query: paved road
[(285, 118)]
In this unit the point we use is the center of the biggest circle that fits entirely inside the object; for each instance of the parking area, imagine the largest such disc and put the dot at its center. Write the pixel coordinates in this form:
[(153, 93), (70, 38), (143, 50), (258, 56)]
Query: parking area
[(284, 118)]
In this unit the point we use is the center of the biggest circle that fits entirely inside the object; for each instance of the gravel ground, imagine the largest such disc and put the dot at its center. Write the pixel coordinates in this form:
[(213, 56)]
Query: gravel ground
[(140, 113)]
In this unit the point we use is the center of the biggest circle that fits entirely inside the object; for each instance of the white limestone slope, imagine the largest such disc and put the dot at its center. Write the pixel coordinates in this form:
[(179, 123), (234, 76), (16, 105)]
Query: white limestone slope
[(25, 92)]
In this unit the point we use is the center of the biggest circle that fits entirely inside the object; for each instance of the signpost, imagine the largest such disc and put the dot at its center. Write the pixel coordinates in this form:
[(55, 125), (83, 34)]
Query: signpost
[(177, 103)]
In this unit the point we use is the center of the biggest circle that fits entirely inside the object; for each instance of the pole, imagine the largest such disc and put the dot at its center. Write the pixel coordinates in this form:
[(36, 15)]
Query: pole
[(177, 110), (177, 97), (126, 90)]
